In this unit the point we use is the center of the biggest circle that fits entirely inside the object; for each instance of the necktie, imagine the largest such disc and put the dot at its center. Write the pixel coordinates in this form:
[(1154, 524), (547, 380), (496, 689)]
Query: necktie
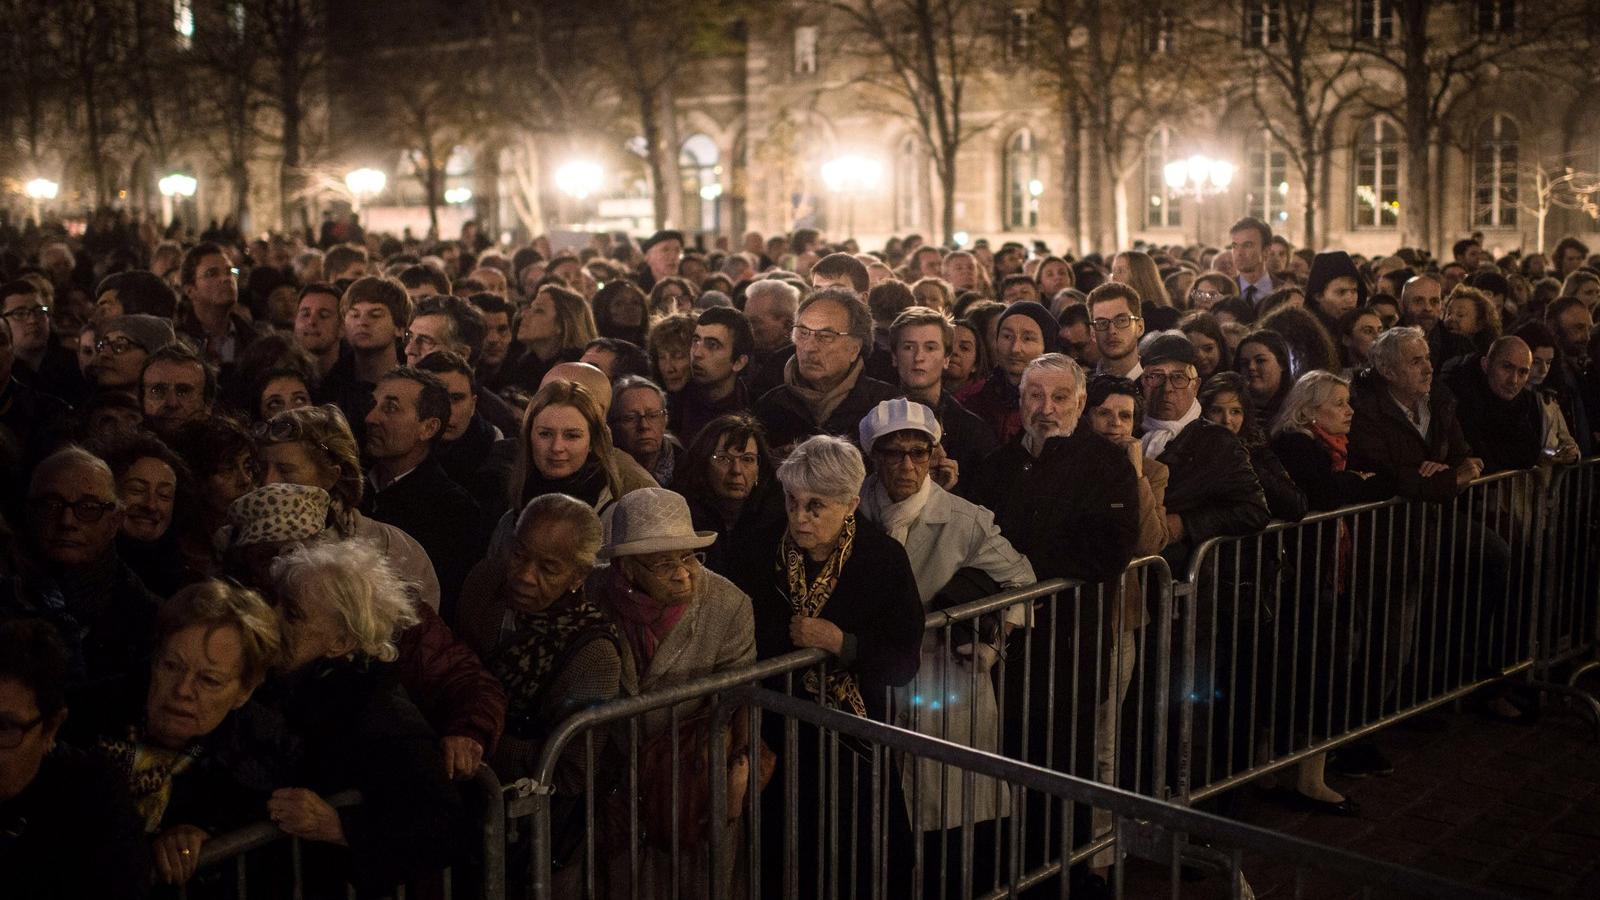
[(1250, 295)]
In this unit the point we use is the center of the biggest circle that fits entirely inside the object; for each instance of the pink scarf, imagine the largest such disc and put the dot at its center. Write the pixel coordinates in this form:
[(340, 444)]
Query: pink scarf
[(645, 621)]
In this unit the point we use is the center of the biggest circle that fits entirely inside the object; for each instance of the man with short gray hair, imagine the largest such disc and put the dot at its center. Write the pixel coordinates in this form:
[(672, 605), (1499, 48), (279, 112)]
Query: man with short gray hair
[(1404, 428), (770, 305), (825, 388)]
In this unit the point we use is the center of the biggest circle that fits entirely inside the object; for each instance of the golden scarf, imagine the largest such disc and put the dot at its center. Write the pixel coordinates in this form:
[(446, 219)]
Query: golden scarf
[(842, 690)]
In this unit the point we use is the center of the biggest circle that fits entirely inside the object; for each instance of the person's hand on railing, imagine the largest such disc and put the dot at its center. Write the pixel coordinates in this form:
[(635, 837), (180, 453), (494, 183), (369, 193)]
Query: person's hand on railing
[(1430, 468), (463, 756), (177, 852), (808, 631), (306, 815), (987, 655), (1566, 456), (1468, 471)]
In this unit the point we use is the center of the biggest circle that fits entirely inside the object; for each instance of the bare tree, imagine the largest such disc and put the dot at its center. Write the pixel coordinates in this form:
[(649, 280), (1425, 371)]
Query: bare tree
[(29, 88), (920, 57), (1554, 188), (89, 52), (292, 52)]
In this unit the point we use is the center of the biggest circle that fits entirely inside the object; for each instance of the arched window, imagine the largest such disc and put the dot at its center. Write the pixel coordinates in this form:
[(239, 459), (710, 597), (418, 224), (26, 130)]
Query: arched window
[(908, 174), (1377, 197), (1161, 209), (1020, 200), (1494, 173), (702, 183), (1266, 179)]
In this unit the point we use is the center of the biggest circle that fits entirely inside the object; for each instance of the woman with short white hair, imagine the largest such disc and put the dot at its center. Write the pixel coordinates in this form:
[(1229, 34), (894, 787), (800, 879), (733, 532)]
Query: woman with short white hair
[(340, 605), (833, 581)]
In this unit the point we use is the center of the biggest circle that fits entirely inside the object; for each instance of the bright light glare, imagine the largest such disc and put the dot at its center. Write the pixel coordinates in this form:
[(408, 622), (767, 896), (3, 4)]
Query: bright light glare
[(579, 178), (366, 182), (1198, 174), (851, 173), (42, 189), (961, 238), (178, 185), (1035, 188), (457, 195), (710, 191)]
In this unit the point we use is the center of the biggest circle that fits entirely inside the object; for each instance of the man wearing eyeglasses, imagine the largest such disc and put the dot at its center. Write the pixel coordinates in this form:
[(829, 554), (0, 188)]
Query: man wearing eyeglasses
[(825, 389), (1212, 490), (1116, 316), (176, 387), (210, 283), (40, 362), (638, 419), (78, 582)]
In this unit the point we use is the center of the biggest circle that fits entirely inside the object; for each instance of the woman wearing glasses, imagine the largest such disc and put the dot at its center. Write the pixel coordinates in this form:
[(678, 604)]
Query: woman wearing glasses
[(728, 478), (831, 580)]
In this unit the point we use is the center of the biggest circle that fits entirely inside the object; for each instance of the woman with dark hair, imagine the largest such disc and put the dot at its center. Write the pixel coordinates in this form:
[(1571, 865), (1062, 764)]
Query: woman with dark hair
[(985, 319), (1211, 288), (271, 352), (668, 349), (69, 826), (554, 327), (221, 453), (969, 357), (1225, 401), (672, 296), (1210, 346), (1334, 287), (1263, 360), (1357, 329), (1468, 325), (1560, 446), (1310, 344), (1234, 309), (278, 389), (728, 476), (620, 312)]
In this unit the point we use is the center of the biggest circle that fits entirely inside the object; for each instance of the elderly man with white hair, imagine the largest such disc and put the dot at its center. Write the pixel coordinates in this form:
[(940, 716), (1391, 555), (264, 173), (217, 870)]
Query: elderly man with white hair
[(958, 555)]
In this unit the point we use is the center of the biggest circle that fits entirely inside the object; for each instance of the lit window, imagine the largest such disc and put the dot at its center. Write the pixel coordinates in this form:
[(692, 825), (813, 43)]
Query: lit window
[(1494, 173), (805, 50), (1377, 197), (1161, 208), (183, 23), (1020, 203), (1266, 182)]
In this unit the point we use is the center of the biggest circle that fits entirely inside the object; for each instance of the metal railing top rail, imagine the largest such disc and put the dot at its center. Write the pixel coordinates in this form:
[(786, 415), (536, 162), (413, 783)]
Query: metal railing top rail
[(1145, 811), (258, 835), (1202, 554), (623, 708)]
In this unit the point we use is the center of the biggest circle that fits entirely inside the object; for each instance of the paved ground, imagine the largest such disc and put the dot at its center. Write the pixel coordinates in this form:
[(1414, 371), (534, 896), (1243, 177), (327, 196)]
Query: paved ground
[(1516, 809)]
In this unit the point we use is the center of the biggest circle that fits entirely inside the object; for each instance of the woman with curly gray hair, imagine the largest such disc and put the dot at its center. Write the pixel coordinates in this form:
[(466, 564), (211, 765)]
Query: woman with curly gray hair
[(340, 605)]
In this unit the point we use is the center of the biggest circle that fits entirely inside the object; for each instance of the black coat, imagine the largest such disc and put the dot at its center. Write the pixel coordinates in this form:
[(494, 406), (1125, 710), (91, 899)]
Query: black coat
[(789, 421), (1505, 434), (72, 833), (1073, 511), (1310, 464), (968, 439), (875, 604), (1285, 501), (352, 727), (1212, 487), (443, 518), (1383, 440)]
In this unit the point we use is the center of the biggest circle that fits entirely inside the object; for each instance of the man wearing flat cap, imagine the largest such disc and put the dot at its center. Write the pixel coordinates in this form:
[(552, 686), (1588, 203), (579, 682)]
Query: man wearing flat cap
[(662, 253), (1025, 332), (1212, 489)]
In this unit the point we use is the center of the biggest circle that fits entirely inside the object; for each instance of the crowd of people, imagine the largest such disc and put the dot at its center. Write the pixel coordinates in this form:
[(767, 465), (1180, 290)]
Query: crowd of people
[(283, 520)]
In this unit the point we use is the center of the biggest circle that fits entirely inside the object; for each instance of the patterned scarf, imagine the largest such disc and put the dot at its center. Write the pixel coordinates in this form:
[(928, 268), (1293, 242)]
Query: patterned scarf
[(150, 770), (808, 599), (1338, 447), (526, 661), (645, 621)]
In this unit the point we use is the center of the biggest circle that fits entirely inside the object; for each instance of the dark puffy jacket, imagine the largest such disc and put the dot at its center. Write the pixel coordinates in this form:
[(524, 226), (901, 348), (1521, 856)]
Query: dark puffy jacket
[(446, 681), (789, 421), (1506, 434), (1212, 488), (1383, 440)]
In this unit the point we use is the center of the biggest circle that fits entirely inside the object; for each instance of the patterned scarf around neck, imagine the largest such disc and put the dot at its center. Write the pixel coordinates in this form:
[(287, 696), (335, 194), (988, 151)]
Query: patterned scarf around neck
[(527, 662), (809, 597), (645, 621), (821, 403)]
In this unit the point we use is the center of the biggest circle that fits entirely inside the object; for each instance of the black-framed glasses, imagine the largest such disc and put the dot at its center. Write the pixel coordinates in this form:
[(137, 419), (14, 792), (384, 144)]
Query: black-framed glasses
[(825, 337), (36, 311), (894, 456), (12, 733), (86, 510), (115, 346), (666, 568), (1178, 381), (637, 419), (728, 459), (1121, 322), (426, 342), (1200, 296)]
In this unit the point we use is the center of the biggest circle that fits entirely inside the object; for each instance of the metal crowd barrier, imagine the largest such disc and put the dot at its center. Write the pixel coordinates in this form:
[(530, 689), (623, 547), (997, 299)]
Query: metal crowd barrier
[(1570, 632), (242, 848), (1166, 835)]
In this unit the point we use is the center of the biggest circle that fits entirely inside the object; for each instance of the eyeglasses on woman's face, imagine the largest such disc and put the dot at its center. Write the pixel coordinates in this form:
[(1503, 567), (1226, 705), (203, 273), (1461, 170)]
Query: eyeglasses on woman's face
[(665, 565)]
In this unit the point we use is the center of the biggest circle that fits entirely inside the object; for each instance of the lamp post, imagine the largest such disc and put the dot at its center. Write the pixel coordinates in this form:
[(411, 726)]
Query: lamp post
[(578, 179), (850, 175), (1198, 177), (364, 183), (175, 185), (40, 189)]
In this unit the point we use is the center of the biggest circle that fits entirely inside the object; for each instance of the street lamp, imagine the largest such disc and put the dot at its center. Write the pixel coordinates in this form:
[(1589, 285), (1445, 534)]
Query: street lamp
[(175, 185), (850, 175), (364, 183), (40, 189), (458, 196), (579, 178), (1198, 177)]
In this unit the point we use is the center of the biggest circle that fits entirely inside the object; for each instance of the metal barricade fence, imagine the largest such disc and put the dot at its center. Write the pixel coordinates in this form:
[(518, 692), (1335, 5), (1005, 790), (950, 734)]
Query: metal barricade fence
[(1165, 834), (1571, 628), (242, 849), (1311, 634)]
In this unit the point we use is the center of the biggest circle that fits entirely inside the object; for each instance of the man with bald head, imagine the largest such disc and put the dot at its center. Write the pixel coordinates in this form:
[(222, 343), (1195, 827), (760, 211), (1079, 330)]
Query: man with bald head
[(1499, 416), (590, 377)]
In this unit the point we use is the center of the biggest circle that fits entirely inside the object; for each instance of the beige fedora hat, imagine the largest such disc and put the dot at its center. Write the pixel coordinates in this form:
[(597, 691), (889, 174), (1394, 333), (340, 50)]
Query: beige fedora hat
[(652, 520)]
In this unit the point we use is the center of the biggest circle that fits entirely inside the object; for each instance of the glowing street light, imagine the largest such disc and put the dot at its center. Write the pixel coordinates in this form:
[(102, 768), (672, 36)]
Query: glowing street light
[(850, 175), (1198, 177), (365, 183), (579, 178), (458, 196), (40, 189), (175, 185)]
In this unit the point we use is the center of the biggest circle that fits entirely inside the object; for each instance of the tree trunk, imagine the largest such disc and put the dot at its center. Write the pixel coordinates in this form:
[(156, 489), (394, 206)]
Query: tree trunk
[(433, 178), (1119, 207), (947, 195), (291, 180), (650, 124), (1418, 212), (1071, 160), (97, 162)]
